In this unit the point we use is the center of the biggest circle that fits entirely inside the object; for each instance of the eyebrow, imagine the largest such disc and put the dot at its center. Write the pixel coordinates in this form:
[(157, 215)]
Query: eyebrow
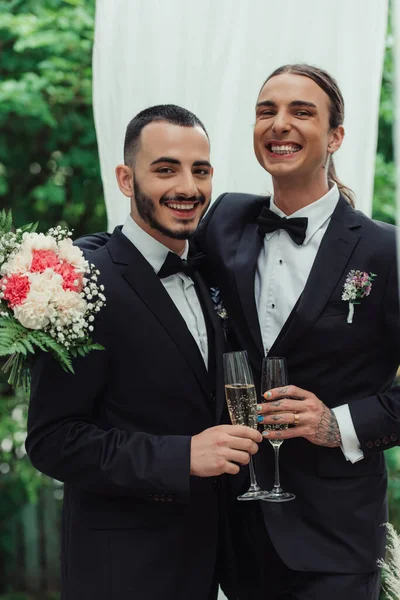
[(166, 159), (175, 161), (292, 104)]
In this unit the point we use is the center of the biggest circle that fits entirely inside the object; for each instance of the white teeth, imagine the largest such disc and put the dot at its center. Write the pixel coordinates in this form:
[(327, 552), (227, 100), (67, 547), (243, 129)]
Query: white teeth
[(181, 206), (285, 149)]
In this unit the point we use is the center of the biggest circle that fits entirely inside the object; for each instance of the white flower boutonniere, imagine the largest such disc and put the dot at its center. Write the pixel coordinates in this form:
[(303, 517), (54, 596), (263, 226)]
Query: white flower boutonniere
[(219, 307), (358, 285)]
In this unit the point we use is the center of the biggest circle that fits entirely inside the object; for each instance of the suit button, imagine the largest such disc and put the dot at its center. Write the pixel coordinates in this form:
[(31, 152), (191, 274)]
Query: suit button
[(370, 444), (393, 437), (377, 442), (385, 440), (215, 483), (212, 396)]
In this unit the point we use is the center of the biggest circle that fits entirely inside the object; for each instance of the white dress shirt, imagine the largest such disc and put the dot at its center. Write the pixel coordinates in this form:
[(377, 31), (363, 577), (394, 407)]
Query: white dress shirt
[(282, 271), (179, 286)]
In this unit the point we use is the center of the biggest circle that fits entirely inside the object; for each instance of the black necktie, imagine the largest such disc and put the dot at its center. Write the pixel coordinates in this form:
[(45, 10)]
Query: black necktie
[(174, 264), (296, 227)]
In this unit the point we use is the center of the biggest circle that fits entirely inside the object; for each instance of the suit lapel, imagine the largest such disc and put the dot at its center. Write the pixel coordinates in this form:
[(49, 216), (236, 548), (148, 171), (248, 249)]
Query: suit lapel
[(245, 270), (215, 344), (142, 279), (336, 248)]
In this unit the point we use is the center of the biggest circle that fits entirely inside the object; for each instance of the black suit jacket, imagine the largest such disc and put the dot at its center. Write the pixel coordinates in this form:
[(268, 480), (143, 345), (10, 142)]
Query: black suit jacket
[(118, 433), (334, 523)]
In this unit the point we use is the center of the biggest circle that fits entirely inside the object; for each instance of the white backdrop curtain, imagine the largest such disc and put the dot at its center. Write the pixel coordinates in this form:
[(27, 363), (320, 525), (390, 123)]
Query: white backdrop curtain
[(212, 59)]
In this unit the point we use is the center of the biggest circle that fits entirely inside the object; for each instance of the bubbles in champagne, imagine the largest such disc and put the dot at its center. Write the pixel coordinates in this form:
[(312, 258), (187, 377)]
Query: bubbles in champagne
[(242, 403)]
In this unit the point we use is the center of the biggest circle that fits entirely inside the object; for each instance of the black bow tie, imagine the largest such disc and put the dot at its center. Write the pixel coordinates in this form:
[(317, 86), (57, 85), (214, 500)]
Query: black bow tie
[(269, 221), (174, 264)]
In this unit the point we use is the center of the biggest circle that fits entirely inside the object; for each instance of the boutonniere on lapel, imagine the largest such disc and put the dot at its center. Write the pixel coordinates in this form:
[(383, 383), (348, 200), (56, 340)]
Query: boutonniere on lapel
[(357, 286), (219, 307)]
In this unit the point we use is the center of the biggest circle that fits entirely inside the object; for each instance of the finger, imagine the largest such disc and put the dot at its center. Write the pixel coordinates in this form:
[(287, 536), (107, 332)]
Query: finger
[(243, 444), (243, 458), (291, 391), (282, 418), (241, 431), (283, 434), (231, 468), (281, 406)]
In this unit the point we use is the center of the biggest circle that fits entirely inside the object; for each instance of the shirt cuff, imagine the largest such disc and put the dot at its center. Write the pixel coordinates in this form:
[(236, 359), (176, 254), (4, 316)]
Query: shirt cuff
[(350, 444)]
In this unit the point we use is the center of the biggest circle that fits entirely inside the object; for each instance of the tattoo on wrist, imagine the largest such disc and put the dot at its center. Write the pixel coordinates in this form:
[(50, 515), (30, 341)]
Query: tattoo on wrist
[(328, 433)]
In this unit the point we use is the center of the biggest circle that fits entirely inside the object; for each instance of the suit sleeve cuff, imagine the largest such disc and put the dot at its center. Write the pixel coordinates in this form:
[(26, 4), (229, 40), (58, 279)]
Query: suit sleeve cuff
[(350, 444)]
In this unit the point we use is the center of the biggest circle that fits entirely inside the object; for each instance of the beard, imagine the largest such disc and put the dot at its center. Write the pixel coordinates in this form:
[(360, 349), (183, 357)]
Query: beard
[(146, 208)]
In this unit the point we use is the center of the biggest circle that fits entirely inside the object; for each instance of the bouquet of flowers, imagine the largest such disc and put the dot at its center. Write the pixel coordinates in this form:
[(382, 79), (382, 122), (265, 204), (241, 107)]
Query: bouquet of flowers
[(49, 297), (358, 285)]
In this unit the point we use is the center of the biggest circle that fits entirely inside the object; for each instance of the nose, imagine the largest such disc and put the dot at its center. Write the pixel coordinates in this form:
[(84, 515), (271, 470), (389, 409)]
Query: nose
[(185, 186), (281, 123)]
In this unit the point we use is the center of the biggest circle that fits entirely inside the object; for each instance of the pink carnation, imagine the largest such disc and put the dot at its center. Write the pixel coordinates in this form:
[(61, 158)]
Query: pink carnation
[(16, 289), (42, 260), (71, 279)]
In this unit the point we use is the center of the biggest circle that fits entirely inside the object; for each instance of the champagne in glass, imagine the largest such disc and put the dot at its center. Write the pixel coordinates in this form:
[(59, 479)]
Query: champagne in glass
[(242, 402), (241, 399), (274, 375)]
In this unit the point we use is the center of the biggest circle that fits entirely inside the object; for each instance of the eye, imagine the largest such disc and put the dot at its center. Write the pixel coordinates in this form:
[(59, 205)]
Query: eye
[(302, 113), (265, 113), (201, 172), (165, 170)]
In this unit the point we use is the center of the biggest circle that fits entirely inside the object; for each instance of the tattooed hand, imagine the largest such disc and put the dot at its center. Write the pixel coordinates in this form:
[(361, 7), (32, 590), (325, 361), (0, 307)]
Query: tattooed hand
[(314, 421)]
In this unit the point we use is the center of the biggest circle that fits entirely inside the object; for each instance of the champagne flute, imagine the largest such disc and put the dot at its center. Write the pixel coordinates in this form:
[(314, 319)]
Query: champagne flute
[(274, 375), (241, 398)]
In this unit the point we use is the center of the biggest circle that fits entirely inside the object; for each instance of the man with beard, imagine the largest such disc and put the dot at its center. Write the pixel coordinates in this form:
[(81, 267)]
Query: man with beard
[(134, 434)]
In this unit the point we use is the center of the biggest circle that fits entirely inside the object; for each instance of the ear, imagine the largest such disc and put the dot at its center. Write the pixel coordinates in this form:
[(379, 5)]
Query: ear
[(336, 138), (124, 175)]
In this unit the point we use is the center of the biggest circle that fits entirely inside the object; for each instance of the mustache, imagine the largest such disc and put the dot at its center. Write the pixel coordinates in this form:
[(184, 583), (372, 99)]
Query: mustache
[(200, 199)]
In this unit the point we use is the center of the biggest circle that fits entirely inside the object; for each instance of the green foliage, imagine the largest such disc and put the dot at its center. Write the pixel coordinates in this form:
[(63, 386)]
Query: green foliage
[(19, 481), (21, 596), (49, 168), (5, 221), (384, 208), (393, 463)]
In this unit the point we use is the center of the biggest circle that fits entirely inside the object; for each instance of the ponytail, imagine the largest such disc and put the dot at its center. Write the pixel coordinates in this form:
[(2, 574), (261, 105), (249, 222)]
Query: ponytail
[(345, 191)]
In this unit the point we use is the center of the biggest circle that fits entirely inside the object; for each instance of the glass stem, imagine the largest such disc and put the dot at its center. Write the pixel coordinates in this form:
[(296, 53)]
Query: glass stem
[(277, 483), (253, 481)]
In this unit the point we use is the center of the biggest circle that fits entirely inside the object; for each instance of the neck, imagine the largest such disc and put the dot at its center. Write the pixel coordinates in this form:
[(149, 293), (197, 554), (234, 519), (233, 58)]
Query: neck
[(290, 195), (177, 246)]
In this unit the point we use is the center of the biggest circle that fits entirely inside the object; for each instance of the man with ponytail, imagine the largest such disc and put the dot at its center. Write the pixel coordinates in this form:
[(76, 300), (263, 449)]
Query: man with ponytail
[(288, 267)]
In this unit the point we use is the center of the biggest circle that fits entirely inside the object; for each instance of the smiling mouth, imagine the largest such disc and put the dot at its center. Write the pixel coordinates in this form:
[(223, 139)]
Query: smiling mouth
[(283, 149), (183, 207)]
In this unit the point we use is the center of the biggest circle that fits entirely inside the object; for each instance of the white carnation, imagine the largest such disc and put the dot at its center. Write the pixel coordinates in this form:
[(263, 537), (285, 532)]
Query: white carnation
[(72, 254), (33, 314), (69, 306), (19, 263), (38, 241), (37, 310)]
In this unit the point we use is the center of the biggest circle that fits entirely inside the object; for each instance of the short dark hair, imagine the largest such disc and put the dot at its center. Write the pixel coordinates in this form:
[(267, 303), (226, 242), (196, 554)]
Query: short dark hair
[(170, 113)]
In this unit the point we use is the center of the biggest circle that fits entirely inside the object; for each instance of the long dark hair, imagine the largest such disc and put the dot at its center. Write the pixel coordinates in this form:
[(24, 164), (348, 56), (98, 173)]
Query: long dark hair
[(336, 109)]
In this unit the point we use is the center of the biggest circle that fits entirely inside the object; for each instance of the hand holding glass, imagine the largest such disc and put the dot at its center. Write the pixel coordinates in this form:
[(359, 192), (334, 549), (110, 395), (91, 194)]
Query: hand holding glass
[(241, 398), (274, 375)]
